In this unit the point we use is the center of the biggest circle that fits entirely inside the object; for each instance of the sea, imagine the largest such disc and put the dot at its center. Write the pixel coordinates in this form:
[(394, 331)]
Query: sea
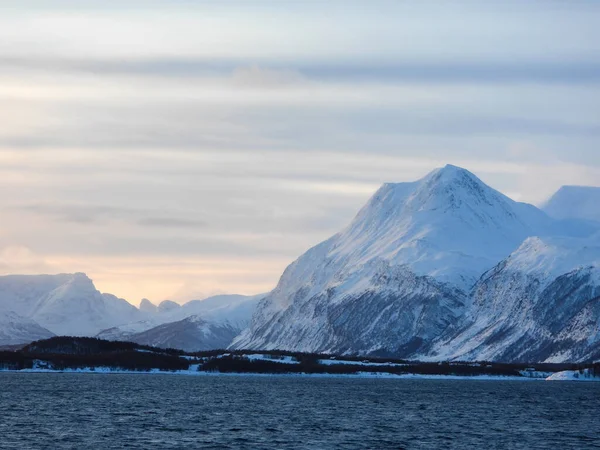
[(146, 411)]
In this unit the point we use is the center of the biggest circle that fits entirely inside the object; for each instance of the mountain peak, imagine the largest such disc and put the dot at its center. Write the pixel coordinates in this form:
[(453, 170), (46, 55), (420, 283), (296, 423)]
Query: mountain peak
[(453, 188), (451, 171), (76, 284), (148, 306), (449, 224), (452, 175)]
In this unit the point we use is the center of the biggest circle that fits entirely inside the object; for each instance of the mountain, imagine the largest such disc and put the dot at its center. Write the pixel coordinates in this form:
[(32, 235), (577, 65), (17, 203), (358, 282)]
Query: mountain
[(403, 278), (575, 202), (65, 304), (77, 308), (15, 329), (190, 334), (542, 303), (196, 325)]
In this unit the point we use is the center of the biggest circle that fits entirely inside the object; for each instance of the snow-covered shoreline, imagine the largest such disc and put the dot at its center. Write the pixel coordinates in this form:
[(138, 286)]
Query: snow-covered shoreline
[(379, 375), (574, 375)]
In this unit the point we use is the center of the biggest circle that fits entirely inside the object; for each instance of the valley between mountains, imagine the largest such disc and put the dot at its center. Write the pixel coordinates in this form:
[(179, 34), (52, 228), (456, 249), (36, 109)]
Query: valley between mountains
[(441, 269)]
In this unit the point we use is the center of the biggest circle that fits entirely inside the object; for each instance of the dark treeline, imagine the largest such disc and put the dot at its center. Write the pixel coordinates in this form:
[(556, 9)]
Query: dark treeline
[(60, 353), (309, 364), (88, 345)]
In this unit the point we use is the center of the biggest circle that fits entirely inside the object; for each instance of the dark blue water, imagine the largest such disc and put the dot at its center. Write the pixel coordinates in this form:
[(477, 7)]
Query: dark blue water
[(170, 411)]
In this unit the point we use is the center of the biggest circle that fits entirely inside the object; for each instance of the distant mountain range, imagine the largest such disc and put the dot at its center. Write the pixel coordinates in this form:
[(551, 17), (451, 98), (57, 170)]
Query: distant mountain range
[(444, 268), (36, 307), (207, 324)]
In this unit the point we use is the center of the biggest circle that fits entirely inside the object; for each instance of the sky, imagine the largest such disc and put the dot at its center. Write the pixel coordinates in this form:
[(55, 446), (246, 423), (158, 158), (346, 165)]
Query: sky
[(188, 148)]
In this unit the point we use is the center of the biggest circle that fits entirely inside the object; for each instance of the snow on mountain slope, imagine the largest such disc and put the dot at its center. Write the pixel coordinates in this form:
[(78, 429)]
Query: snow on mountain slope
[(542, 303), (15, 329), (575, 202), (438, 234), (190, 334), (393, 311), (233, 310), (21, 293)]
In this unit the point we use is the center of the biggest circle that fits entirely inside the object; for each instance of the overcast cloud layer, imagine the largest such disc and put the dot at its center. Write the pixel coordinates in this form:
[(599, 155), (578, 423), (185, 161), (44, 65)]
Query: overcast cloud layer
[(179, 149)]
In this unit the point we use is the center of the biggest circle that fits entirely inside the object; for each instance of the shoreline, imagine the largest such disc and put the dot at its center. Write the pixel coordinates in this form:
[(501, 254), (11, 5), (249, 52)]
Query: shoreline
[(363, 375)]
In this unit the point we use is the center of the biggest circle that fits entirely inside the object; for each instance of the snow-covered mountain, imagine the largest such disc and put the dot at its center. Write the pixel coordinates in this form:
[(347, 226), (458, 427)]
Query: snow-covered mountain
[(196, 325), (15, 329), (542, 303), (405, 277), (575, 202), (65, 304), (193, 333)]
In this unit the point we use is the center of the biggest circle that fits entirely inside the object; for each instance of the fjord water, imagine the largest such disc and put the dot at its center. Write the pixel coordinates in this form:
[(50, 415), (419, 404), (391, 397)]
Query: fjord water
[(233, 412)]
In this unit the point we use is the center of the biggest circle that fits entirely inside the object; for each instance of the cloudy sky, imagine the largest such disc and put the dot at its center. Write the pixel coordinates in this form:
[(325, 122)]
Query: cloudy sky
[(185, 148)]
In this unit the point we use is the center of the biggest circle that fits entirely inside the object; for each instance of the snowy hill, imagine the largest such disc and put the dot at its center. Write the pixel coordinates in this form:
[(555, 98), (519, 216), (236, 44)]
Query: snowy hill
[(398, 280), (575, 202)]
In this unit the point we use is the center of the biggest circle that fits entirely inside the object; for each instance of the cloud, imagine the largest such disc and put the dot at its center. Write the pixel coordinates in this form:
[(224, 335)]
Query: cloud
[(101, 215), (170, 222), (19, 259), (271, 73), (255, 76)]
